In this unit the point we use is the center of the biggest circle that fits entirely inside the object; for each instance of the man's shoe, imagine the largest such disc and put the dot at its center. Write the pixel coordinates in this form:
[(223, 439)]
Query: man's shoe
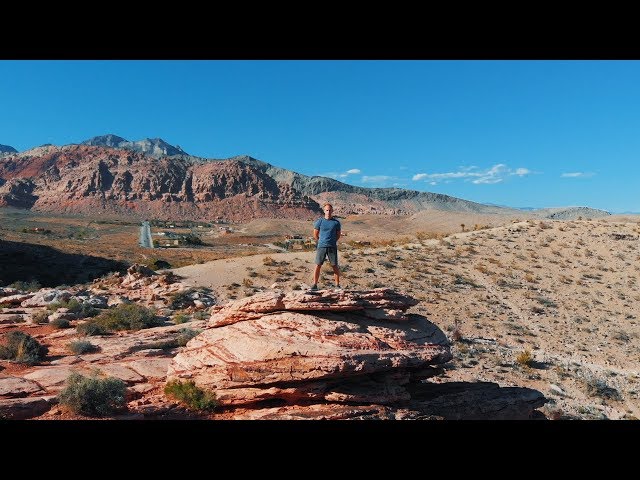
[(337, 287), (314, 287)]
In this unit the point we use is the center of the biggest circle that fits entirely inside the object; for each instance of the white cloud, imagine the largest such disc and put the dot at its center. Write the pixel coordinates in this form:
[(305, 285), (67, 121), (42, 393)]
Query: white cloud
[(336, 175), (577, 174), (375, 178), (495, 174)]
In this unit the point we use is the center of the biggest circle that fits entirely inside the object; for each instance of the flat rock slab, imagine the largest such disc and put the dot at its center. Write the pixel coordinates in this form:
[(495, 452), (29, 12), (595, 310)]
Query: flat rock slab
[(155, 368), (24, 408), (17, 387), (50, 376), (121, 371)]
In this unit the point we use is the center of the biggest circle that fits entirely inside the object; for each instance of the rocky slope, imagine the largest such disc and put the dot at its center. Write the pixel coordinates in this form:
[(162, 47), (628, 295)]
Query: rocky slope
[(155, 147), (321, 355), (94, 180)]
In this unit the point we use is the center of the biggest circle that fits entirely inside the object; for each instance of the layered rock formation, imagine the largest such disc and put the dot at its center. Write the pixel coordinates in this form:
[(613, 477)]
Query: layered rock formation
[(94, 180), (333, 354)]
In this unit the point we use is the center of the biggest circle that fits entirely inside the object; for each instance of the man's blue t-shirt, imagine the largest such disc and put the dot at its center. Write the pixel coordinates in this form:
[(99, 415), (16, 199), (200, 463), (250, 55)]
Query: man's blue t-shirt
[(328, 231)]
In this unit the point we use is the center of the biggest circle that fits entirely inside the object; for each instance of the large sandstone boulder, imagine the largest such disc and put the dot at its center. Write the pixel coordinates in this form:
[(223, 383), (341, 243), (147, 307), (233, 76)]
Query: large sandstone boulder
[(318, 347)]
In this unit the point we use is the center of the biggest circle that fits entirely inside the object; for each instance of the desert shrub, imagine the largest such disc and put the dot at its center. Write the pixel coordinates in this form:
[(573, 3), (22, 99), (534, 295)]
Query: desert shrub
[(157, 264), (73, 305), (182, 299), (191, 239), (181, 318), (82, 346), (32, 286), (22, 348), (525, 358), (88, 311), (61, 323), (41, 316), (93, 396), (125, 316), (597, 387), (91, 328), (201, 315), (191, 395), (186, 334), (269, 261)]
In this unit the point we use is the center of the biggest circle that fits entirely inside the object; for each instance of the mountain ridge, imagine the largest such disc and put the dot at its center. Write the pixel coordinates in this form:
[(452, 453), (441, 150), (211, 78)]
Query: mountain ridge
[(150, 177)]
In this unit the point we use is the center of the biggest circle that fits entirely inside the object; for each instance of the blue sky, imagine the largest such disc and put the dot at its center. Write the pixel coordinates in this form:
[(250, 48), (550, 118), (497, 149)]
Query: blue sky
[(528, 133)]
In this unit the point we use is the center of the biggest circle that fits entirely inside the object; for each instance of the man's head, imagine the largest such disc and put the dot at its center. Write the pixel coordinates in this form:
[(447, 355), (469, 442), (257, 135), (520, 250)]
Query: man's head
[(328, 209)]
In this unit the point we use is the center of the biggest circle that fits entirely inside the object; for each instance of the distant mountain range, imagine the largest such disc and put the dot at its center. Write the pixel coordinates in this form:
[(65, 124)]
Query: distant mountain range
[(109, 175)]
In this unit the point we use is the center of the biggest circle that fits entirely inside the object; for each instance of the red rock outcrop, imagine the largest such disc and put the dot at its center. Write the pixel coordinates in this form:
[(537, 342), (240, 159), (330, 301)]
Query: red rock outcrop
[(313, 347), (85, 179)]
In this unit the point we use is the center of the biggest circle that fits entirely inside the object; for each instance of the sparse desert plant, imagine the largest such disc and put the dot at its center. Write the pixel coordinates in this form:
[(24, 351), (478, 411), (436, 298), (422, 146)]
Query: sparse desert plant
[(598, 387), (60, 323), (91, 328), (73, 305), (546, 302), (31, 286), (93, 396), (22, 348), (40, 317), (482, 268), (127, 316), (190, 395), (201, 315), (247, 282), (79, 347), (181, 318), (269, 262), (525, 358)]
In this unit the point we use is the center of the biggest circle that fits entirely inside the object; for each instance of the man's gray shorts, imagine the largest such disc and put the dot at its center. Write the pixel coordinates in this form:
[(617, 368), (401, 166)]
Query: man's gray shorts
[(327, 252)]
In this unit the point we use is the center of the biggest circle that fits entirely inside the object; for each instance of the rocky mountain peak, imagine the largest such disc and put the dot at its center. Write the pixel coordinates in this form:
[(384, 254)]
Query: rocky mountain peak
[(155, 147), (7, 149), (108, 140)]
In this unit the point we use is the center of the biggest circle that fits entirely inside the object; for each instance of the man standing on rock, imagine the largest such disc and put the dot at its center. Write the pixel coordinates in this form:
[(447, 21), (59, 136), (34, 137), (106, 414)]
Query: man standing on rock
[(326, 231)]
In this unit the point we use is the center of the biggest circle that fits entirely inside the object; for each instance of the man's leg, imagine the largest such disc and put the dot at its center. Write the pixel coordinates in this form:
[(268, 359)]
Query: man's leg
[(316, 274), (336, 274)]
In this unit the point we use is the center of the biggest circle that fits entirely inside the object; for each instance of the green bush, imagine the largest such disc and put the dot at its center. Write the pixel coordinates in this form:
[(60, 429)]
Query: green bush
[(181, 318), (191, 395), (186, 334), (60, 323), (83, 310), (93, 396), (201, 315), (125, 316), (32, 286), (90, 328), (22, 348), (79, 347)]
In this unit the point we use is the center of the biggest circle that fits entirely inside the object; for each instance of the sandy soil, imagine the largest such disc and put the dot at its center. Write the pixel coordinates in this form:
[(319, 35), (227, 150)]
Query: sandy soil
[(550, 305)]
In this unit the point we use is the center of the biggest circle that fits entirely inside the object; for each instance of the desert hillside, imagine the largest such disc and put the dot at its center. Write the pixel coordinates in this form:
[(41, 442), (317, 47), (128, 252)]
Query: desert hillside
[(552, 305), (543, 307)]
